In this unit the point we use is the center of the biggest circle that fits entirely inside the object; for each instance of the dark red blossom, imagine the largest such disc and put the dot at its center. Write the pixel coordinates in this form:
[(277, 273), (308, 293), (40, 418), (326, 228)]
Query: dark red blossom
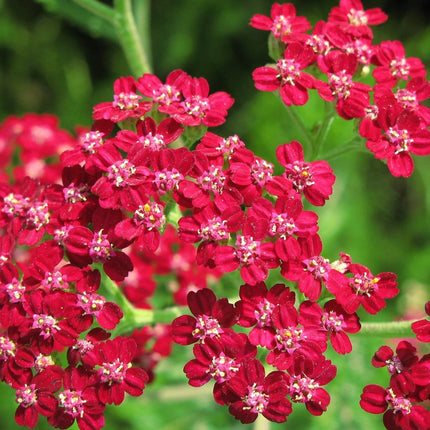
[(311, 270), (363, 288), (219, 358), (251, 392), (211, 318), (78, 401), (333, 320), (293, 341), (256, 307), (421, 328), (399, 411), (287, 220), (305, 380), (36, 396), (114, 374), (251, 253), (47, 326)]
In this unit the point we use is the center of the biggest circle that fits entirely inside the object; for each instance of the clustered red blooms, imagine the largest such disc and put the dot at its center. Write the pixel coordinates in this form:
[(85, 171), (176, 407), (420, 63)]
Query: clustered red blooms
[(126, 200), (402, 402), (388, 110)]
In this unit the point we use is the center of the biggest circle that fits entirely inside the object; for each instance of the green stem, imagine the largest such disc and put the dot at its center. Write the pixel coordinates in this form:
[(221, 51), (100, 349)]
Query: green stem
[(131, 44), (301, 126), (142, 12), (99, 9), (391, 329), (323, 131), (134, 317), (355, 144)]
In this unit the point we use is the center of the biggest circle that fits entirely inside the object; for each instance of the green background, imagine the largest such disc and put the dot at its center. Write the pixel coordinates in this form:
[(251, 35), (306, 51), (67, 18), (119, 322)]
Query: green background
[(51, 63)]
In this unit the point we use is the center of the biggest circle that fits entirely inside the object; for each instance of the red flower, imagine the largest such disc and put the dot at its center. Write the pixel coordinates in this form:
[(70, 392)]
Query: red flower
[(306, 376), (363, 288), (78, 401), (114, 374), (250, 393), (393, 66), (36, 396), (124, 176), (162, 94), (288, 75), (399, 412), (421, 328), (352, 97), (250, 253), (198, 106), (292, 340), (148, 135), (219, 358), (256, 306), (282, 21), (351, 16), (214, 146), (211, 318), (333, 320), (287, 220), (403, 135), (315, 180), (310, 269), (126, 104)]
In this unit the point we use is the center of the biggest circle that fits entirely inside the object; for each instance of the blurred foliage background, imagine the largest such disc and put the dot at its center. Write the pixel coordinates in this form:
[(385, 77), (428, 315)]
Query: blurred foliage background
[(50, 62)]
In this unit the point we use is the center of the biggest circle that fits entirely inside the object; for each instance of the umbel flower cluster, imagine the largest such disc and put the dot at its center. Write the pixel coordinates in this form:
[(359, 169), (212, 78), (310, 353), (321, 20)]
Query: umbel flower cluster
[(148, 190)]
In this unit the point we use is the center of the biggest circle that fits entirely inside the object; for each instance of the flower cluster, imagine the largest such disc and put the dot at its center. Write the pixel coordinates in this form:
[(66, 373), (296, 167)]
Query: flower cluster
[(402, 402), (335, 60), (149, 190)]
